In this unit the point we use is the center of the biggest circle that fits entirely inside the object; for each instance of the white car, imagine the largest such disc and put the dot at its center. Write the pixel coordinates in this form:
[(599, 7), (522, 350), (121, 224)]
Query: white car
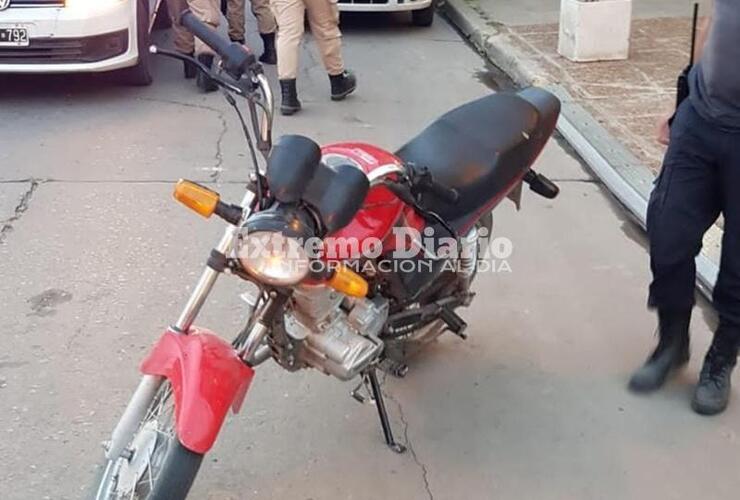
[(422, 11), (70, 36)]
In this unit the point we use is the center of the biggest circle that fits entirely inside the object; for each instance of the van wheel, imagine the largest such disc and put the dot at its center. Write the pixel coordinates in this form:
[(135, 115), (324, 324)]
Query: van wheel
[(423, 17), (141, 74), (163, 20)]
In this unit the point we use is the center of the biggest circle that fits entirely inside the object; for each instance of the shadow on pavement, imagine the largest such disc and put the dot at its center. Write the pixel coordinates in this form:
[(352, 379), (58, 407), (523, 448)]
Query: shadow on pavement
[(75, 85), (62, 86), (377, 22)]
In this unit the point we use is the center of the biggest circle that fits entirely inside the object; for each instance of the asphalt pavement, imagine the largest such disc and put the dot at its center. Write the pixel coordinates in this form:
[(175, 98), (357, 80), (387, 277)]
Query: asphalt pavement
[(96, 259)]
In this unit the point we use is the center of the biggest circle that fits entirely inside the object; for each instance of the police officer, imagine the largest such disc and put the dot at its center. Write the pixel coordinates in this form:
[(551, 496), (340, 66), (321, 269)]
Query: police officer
[(185, 43), (234, 11), (700, 180), (323, 18)]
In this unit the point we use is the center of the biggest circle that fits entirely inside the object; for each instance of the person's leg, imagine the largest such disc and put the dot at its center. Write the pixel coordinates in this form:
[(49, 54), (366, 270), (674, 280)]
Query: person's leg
[(713, 391), (683, 205), (727, 291), (323, 16), (265, 19), (209, 12), (266, 25), (235, 15), (289, 15), (184, 40)]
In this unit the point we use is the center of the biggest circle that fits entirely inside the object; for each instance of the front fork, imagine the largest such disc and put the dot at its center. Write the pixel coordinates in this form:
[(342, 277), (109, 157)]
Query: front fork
[(149, 385)]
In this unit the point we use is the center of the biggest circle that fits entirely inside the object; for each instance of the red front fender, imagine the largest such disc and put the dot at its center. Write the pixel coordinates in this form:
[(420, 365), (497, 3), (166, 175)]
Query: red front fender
[(207, 378)]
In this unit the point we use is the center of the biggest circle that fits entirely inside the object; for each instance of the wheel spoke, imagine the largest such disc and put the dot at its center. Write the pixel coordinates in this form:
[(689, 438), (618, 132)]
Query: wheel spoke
[(149, 471), (159, 423)]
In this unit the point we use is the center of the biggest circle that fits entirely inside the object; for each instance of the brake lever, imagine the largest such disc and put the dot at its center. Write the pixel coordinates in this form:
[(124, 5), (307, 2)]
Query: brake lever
[(153, 49)]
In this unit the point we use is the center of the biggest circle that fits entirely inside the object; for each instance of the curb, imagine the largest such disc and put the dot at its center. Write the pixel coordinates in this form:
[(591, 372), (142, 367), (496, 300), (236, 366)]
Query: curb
[(493, 40), (621, 173)]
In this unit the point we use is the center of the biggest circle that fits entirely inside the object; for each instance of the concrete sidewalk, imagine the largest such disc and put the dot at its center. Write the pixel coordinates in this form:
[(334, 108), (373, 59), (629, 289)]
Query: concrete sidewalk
[(627, 97), (529, 12), (610, 109)]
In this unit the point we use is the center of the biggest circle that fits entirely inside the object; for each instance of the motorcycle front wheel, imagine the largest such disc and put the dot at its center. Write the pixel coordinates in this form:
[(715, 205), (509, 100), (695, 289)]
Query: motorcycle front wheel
[(155, 466)]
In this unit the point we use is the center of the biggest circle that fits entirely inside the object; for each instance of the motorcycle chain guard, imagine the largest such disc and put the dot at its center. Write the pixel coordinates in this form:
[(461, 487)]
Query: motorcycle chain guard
[(207, 378)]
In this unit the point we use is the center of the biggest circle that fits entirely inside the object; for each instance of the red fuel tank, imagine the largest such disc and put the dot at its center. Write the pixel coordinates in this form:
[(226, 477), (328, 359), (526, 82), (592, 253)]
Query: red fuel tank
[(382, 209)]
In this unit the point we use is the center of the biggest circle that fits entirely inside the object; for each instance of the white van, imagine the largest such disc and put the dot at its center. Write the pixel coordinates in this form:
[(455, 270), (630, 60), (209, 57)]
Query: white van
[(70, 36), (422, 11)]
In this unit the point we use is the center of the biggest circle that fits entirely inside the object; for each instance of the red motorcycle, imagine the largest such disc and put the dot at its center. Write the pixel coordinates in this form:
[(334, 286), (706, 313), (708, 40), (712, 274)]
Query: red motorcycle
[(335, 286)]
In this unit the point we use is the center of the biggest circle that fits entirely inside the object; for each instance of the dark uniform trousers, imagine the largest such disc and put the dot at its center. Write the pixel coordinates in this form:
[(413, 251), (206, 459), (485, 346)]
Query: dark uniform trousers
[(699, 182)]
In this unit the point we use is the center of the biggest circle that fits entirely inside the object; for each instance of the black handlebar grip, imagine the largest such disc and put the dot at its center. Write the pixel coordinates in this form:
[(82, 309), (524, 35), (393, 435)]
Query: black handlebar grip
[(208, 35), (236, 59), (447, 194)]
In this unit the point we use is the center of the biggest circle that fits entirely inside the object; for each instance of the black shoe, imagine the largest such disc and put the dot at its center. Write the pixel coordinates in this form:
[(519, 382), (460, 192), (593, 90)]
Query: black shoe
[(269, 56), (189, 70), (342, 85), (205, 83), (240, 41), (290, 104), (672, 352), (713, 390)]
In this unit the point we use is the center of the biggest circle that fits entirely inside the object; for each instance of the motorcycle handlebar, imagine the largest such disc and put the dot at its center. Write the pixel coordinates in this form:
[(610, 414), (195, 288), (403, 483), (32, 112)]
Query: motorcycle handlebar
[(236, 59), (208, 35), (424, 182), (448, 194)]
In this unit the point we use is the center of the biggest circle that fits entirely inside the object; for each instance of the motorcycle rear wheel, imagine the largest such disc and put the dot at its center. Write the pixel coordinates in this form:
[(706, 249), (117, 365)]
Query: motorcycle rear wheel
[(157, 466)]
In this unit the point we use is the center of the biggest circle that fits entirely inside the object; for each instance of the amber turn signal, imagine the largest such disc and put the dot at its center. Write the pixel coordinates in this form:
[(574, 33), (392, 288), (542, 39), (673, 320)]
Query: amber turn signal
[(348, 282), (196, 197)]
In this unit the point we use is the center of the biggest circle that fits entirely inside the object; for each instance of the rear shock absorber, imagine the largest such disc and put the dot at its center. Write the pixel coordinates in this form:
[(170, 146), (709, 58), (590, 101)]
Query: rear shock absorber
[(468, 260)]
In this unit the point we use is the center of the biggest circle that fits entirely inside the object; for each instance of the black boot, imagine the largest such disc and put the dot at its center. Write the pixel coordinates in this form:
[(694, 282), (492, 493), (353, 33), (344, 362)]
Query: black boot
[(672, 351), (713, 391), (290, 104), (205, 83), (189, 69), (269, 56), (342, 85)]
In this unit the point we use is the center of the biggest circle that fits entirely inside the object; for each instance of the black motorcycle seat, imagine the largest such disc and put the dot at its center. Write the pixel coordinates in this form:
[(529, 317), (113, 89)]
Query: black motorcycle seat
[(483, 149)]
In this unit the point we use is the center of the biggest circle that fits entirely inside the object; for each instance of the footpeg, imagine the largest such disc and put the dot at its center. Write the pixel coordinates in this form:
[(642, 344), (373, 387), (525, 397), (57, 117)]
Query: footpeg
[(454, 322), (541, 185)]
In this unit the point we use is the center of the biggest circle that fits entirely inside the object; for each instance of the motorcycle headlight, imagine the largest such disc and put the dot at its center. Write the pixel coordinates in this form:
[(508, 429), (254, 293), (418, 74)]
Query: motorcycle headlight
[(274, 258)]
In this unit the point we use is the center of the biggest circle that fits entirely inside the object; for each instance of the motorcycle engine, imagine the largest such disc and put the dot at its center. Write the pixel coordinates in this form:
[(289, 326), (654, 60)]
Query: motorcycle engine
[(334, 333)]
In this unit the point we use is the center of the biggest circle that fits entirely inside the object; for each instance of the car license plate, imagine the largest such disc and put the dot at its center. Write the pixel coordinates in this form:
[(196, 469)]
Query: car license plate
[(14, 37)]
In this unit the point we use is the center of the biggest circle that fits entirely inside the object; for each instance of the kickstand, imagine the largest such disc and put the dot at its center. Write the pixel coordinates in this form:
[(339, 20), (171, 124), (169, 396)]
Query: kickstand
[(382, 413)]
